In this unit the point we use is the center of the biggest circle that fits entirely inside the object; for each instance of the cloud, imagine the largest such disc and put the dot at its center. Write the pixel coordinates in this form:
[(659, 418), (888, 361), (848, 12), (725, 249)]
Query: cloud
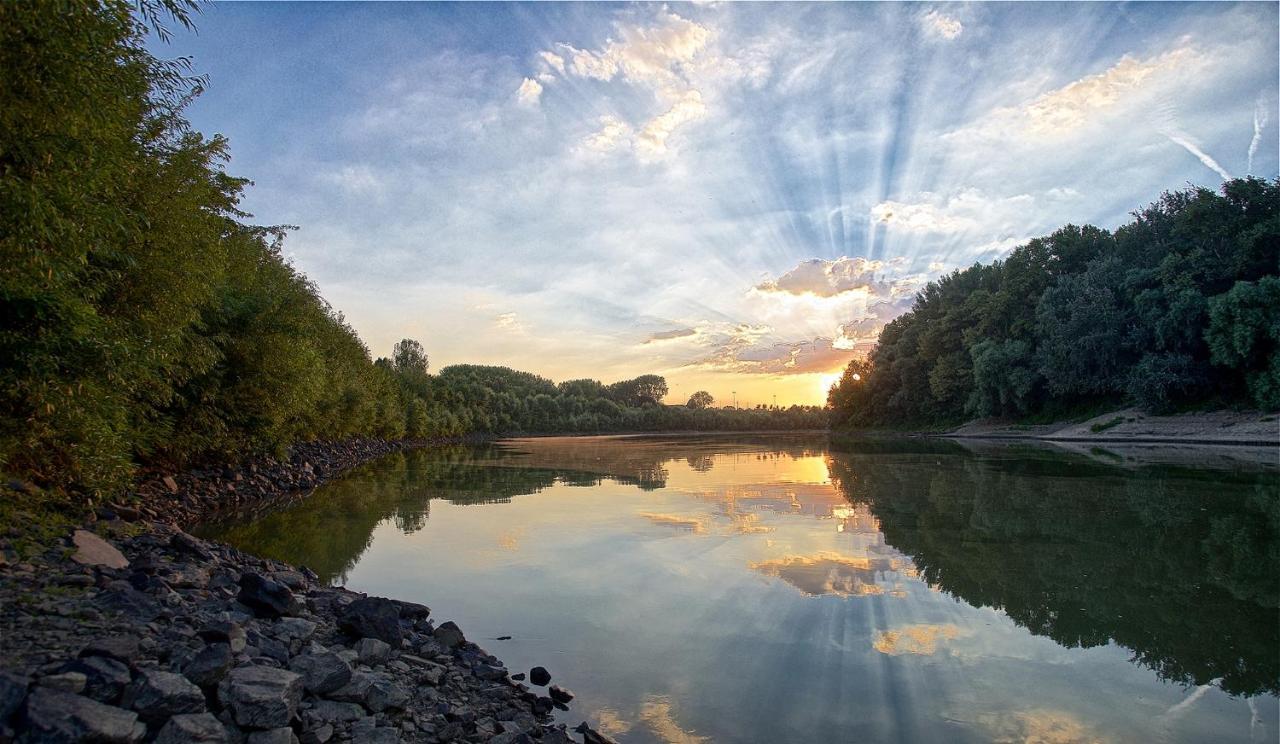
[(553, 61), (643, 55), (692, 524), (1259, 123), (529, 92), (921, 217), (653, 138), (827, 573), (1185, 142), (670, 335), (828, 278), (940, 26), (510, 322)]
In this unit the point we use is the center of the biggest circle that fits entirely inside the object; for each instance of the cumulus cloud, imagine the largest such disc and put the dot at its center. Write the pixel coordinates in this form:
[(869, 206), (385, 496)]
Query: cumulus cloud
[(776, 358), (940, 26), (670, 335), (529, 92), (509, 322), (827, 572), (921, 217), (825, 278), (920, 639)]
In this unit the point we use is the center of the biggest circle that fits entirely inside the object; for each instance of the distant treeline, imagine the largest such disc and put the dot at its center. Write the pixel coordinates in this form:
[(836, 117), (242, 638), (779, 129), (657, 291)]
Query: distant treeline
[(144, 321), (1179, 307)]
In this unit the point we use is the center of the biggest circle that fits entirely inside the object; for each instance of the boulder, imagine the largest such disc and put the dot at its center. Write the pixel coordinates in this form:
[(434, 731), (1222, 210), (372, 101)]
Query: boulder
[(73, 682), (207, 668), (373, 617), (13, 690), (282, 735), (156, 695), (372, 651), (265, 597), (333, 711), (92, 550), (119, 647), (322, 672), (539, 676), (449, 634), (184, 543), (193, 728), (559, 694), (105, 678), (225, 631), (261, 697), (55, 716)]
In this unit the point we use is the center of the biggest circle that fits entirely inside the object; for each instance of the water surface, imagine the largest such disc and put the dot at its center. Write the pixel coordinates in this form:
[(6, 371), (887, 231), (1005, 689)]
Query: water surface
[(780, 589)]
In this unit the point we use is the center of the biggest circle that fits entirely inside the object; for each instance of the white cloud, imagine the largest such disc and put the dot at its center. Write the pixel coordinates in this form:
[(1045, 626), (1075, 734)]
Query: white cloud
[(529, 92), (940, 26), (553, 61), (652, 141), (613, 133), (825, 278), (921, 217)]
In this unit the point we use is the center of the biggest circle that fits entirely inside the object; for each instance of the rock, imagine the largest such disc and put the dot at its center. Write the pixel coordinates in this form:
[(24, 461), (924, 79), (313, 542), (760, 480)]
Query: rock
[(385, 694), (292, 579), (193, 728), (321, 672), (449, 634), (293, 630), (373, 617), (331, 711), (282, 735), (372, 651), (184, 543), (226, 632), (92, 550), (590, 735), (539, 676), (265, 597), (119, 647), (105, 678), (261, 697), (519, 677), (55, 716), (157, 695), (72, 682), (13, 690), (317, 735), (560, 695), (490, 672), (170, 483), (207, 668), (268, 647), (412, 610)]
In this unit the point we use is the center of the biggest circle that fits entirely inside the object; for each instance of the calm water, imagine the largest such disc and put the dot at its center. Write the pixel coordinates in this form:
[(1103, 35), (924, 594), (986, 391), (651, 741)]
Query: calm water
[(740, 589)]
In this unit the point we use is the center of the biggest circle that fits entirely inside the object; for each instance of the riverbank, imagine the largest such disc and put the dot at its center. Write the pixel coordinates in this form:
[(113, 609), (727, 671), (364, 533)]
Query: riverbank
[(128, 629), (1250, 428)]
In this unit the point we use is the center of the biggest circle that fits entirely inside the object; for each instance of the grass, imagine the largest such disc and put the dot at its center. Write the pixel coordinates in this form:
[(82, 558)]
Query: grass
[(1103, 426), (32, 519)]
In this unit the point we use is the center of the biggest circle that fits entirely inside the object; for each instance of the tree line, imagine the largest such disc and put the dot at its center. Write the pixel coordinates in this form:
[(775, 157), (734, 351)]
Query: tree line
[(145, 320), (1179, 307)]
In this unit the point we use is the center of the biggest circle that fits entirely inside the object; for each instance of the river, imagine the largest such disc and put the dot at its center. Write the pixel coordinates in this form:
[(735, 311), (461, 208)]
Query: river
[(786, 589)]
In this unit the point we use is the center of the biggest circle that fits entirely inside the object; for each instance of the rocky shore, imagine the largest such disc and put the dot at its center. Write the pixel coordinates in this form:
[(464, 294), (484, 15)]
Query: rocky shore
[(132, 630)]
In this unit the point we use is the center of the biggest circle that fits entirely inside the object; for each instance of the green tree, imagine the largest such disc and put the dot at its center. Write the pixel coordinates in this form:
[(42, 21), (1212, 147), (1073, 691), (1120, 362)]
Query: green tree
[(700, 400)]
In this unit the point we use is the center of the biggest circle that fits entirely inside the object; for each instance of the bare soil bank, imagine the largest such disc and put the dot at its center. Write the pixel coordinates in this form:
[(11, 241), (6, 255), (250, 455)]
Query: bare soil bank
[(1251, 428)]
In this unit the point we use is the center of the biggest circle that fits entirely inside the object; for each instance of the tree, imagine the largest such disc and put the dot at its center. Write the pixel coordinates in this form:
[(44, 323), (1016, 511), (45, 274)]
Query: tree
[(408, 359), (700, 400)]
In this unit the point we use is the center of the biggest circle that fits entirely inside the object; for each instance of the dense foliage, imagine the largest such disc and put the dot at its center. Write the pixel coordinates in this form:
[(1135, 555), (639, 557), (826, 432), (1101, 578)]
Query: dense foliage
[(1180, 306), (142, 320)]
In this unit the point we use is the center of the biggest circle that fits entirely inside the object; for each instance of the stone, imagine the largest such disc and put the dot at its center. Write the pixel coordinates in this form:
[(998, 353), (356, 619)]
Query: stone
[(193, 728), (412, 610), (293, 630), (590, 735), (265, 597), (321, 672), (318, 734), (261, 697), (331, 711), (519, 677), (13, 690), (207, 668), (373, 617), (119, 647), (92, 550), (170, 483), (282, 735), (105, 678), (539, 676), (225, 631), (490, 672), (72, 682), (184, 543), (385, 694), (449, 634), (269, 647), (372, 651), (560, 695), (156, 695), (55, 716)]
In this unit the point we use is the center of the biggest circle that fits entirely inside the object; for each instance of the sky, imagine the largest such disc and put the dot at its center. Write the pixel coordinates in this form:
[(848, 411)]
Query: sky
[(734, 196)]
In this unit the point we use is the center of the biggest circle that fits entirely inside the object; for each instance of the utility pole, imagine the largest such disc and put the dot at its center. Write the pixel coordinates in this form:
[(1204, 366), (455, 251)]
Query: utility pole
[(735, 398)]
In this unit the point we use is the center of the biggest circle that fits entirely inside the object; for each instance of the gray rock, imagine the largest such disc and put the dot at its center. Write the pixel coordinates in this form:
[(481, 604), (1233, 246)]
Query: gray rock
[(539, 676), (372, 651), (261, 697), (193, 728), (265, 597), (105, 678), (208, 667), (290, 629), (156, 695), (92, 550), (449, 634), (321, 672), (385, 694), (120, 647), (269, 647), (560, 695), (13, 690), (331, 711), (55, 716), (282, 735), (490, 672), (373, 617), (226, 632), (73, 682), (317, 735), (185, 543)]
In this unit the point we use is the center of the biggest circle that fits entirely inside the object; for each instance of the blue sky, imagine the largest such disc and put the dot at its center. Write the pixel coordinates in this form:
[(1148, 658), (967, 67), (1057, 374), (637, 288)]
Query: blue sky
[(736, 196)]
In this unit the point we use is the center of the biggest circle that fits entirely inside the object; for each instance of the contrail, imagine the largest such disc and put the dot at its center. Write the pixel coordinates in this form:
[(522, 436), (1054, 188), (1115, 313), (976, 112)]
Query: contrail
[(1192, 148), (1259, 123)]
